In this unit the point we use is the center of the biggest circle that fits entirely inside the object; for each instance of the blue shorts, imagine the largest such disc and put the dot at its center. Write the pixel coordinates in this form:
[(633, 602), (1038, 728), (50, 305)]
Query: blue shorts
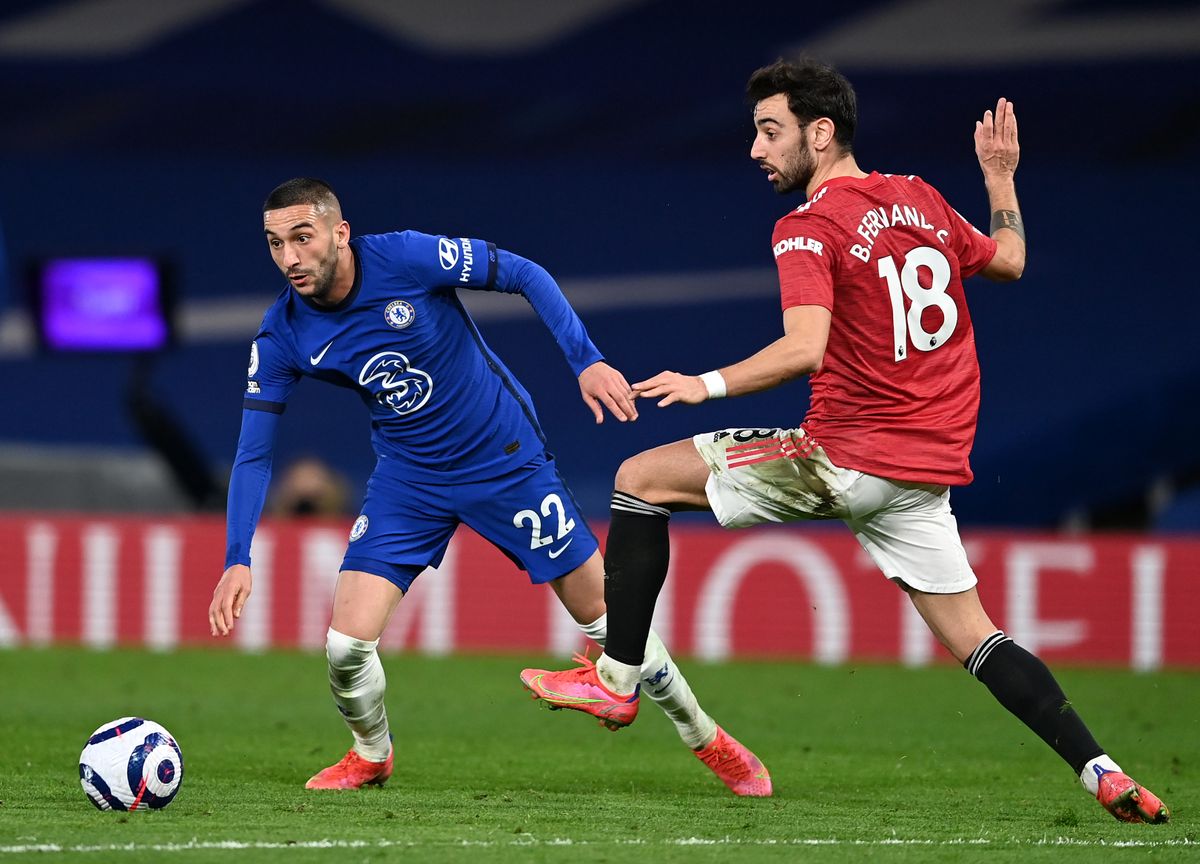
[(528, 514)]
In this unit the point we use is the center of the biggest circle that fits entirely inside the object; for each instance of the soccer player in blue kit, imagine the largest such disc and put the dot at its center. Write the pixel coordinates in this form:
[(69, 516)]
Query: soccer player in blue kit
[(457, 441)]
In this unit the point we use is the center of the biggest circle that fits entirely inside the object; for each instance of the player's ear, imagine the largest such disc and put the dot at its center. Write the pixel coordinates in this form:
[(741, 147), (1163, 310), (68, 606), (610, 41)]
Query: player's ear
[(342, 232), (823, 133)]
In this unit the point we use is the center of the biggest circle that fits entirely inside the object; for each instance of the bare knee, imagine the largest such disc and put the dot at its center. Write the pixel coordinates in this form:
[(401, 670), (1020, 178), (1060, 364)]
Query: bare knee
[(362, 604), (957, 620), (635, 477), (671, 476)]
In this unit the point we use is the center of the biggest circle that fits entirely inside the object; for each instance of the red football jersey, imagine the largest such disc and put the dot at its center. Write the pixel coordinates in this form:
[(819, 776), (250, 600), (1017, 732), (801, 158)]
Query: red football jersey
[(897, 395)]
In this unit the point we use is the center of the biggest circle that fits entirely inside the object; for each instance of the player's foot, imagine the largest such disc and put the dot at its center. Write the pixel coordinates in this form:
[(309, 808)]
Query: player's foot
[(738, 768), (1129, 802), (580, 689), (352, 772)]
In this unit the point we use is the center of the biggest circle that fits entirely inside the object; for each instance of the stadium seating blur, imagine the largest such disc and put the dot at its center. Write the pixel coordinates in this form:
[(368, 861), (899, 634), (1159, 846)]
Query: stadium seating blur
[(610, 144)]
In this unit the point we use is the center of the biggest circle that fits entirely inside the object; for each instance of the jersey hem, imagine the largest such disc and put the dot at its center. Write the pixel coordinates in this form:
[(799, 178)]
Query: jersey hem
[(889, 472)]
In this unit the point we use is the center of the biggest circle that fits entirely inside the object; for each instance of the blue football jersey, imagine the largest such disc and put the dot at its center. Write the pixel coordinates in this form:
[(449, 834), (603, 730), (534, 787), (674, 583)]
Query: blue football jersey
[(443, 406), (440, 400)]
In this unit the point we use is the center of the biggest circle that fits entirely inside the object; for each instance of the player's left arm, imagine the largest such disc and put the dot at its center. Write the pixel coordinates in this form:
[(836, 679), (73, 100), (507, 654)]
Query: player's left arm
[(798, 352), (998, 151), (599, 384), (440, 263)]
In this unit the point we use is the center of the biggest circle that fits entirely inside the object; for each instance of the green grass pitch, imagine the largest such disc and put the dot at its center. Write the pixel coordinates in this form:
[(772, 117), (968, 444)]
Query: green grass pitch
[(870, 762)]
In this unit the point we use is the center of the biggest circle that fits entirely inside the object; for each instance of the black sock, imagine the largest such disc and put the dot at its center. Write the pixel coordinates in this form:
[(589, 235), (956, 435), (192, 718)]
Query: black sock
[(635, 568), (1022, 684)]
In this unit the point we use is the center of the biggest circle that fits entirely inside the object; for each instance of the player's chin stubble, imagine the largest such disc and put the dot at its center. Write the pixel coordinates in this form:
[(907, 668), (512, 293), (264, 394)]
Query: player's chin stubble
[(323, 276), (324, 287), (797, 176)]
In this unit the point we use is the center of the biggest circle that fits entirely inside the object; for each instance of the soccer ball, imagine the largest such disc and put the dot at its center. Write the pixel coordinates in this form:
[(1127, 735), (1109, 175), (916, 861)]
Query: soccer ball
[(131, 764)]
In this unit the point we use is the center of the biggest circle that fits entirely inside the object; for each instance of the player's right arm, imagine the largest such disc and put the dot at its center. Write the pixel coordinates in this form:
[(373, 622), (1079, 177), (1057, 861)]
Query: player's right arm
[(248, 482), (804, 256), (270, 381), (798, 352), (998, 150)]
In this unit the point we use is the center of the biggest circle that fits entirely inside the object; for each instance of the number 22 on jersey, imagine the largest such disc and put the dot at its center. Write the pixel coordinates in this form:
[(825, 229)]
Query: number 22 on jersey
[(905, 282)]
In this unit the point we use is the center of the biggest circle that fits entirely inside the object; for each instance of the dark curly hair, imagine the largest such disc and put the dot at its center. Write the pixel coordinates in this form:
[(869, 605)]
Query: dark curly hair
[(814, 90)]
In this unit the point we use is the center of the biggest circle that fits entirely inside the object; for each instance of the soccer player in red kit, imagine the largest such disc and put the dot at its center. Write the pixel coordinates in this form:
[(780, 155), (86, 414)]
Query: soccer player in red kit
[(874, 311)]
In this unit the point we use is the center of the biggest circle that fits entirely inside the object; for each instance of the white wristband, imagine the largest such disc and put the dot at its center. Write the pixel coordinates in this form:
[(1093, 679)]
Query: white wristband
[(714, 383)]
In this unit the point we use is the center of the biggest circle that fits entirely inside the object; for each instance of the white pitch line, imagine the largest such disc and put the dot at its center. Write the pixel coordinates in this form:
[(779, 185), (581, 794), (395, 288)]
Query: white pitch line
[(530, 840)]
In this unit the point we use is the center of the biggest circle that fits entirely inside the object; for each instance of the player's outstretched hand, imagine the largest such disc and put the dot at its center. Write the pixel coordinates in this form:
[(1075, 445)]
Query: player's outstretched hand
[(602, 384), (996, 141), (672, 387), (229, 597)]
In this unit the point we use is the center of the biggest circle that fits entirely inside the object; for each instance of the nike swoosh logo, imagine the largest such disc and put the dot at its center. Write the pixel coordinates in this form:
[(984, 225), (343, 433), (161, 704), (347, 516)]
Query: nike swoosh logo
[(554, 553), (317, 359)]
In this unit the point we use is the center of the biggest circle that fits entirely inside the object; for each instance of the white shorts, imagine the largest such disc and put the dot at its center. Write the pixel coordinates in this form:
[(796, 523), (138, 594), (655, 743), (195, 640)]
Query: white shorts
[(783, 475)]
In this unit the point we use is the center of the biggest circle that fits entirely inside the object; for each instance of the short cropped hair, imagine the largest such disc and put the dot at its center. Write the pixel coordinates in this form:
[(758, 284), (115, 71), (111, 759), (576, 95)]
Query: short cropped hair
[(303, 190), (814, 90)]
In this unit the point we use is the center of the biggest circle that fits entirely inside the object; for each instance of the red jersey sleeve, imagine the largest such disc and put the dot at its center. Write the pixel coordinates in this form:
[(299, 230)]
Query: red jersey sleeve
[(804, 255)]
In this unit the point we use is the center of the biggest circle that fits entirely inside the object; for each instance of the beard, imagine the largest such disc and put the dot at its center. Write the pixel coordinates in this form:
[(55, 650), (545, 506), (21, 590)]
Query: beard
[(796, 175), (323, 280), (322, 276)]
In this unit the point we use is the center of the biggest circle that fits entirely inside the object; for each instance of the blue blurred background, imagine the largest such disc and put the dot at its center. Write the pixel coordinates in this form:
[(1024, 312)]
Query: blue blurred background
[(608, 140)]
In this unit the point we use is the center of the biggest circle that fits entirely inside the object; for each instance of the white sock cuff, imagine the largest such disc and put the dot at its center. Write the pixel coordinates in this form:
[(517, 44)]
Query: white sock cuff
[(984, 650), (597, 630), (343, 650), (627, 503), (1090, 775)]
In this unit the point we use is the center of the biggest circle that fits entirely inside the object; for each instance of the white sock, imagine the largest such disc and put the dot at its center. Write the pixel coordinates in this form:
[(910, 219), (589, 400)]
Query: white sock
[(357, 682), (1090, 775), (661, 681), (669, 690)]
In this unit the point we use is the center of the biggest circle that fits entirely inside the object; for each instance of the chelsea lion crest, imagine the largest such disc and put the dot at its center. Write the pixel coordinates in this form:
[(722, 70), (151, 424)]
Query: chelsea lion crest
[(359, 529), (399, 314)]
